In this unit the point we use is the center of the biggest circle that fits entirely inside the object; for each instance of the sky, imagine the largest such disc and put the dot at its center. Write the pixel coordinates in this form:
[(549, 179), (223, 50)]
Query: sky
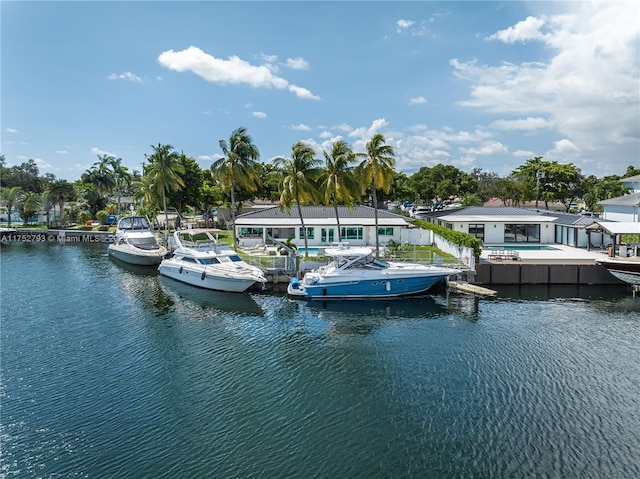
[(471, 84)]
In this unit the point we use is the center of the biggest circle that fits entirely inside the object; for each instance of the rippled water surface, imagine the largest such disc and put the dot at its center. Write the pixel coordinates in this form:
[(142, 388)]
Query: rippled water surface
[(112, 371)]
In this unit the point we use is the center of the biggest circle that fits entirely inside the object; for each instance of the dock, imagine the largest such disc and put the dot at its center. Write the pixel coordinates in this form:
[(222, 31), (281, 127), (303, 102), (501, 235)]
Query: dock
[(465, 287)]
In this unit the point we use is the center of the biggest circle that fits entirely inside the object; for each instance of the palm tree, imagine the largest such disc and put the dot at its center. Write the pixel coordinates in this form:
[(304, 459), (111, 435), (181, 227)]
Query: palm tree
[(377, 170), (61, 191), (11, 197), (164, 170), (121, 178), (100, 174), (300, 172), (237, 168), (47, 203), (337, 180), (30, 203)]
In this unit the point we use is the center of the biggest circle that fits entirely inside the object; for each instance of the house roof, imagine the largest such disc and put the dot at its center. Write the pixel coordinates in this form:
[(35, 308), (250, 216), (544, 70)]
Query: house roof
[(320, 215), (473, 214), (631, 179), (614, 227), (632, 199)]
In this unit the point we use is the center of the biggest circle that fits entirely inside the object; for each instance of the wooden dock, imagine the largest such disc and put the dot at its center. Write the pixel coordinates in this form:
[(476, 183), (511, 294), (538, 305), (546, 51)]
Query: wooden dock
[(465, 287)]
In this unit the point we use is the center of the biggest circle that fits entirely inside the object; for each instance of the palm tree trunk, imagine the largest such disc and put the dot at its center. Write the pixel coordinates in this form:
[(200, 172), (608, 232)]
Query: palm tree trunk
[(233, 217), (374, 198), (304, 229), (335, 207), (166, 213)]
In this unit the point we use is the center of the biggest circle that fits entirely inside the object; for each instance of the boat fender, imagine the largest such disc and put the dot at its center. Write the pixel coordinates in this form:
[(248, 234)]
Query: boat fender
[(388, 286), (203, 275), (180, 270)]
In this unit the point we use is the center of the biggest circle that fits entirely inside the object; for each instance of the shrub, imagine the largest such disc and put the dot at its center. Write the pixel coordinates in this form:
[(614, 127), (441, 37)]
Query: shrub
[(457, 237)]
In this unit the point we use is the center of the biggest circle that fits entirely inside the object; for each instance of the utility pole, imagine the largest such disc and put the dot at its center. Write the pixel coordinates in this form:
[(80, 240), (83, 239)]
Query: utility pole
[(539, 174)]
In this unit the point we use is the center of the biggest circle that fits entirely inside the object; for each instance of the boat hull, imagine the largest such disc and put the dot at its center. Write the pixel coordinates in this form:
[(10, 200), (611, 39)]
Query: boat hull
[(627, 270), (392, 287), (205, 279), (132, 256)]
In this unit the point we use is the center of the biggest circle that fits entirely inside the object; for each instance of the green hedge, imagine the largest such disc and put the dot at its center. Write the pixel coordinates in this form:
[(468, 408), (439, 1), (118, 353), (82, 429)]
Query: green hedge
[(457, 237)]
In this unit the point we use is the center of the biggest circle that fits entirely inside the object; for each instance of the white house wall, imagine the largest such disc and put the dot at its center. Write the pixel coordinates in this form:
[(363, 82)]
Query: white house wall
[(494, 231), (623, 214)]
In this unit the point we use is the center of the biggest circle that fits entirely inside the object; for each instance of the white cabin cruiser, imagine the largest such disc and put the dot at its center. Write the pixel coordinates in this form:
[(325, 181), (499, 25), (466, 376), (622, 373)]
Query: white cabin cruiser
[(199, 260), (135, 243), (355, 274)]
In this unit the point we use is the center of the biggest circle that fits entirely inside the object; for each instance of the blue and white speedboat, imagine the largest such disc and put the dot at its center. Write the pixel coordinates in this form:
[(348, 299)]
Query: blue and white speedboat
[(355, 274)]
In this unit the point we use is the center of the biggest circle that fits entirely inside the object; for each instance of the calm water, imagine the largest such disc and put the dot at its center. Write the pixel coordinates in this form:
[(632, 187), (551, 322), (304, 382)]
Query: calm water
[(112, 372)]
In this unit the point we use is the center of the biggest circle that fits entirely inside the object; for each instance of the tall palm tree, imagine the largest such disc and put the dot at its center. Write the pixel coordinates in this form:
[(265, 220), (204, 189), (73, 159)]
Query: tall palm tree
[(337, 181), (300, 172), (61, 191), (237, 168), (10, 197), (29, 205), (121, 178), (377, 171), (164, 170), (47, 203), (100, 174)]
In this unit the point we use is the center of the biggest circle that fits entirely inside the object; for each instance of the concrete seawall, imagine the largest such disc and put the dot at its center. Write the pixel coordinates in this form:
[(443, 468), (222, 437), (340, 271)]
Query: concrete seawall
[(523, 273)]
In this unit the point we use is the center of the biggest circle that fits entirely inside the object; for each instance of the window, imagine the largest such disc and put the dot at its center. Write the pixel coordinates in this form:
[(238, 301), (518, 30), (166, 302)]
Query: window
[(388, 231), (309, 233), (351, 233), (326, 235), (248, 232), (521, 233), (477, 230)]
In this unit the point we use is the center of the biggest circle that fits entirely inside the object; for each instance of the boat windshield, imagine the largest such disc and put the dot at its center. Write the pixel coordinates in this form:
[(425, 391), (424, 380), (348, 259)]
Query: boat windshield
[(133, 223), (144, 243), (209, 260), (367, 261)]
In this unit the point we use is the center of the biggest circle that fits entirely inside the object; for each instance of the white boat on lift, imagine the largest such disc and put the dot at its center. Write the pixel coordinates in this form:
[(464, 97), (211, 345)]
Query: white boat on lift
[(199, 260), (354, 273), (135, 242)]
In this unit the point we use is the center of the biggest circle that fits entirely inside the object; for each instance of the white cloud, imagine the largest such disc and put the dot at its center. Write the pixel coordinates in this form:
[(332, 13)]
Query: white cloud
[(420, 100), (524, 153), (231, 71), (300, 127), (128, 76), (528, 29), (489, 148), (62, 152), (403, 25), (258, 114), (11, 130), (298, 63), (342, 127), (42, 165), (524, 124), (586, 88), (97, 151)]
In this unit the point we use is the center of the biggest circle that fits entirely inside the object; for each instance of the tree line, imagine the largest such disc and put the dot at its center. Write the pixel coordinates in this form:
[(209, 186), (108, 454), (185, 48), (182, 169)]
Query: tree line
[(339, 176)]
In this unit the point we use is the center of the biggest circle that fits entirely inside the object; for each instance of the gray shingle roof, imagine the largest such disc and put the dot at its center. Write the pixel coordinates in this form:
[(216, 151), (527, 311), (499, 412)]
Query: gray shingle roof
[(511, 211), (319, 212), (627, 200)]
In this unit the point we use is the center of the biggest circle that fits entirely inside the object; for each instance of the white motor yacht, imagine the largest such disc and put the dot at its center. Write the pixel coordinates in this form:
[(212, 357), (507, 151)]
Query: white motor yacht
[(135, 243), (199, 260)]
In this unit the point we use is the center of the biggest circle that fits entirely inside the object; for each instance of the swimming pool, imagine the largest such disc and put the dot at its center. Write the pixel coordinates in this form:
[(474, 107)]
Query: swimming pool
[(521, 247)]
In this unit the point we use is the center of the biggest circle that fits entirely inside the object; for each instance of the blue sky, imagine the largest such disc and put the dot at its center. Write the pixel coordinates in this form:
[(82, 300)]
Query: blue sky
[(472, 84)]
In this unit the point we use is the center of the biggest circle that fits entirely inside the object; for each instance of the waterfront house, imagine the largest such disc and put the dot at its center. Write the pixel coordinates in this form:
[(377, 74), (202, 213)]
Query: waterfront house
[(506, 224), (625, 208), (357, 226)]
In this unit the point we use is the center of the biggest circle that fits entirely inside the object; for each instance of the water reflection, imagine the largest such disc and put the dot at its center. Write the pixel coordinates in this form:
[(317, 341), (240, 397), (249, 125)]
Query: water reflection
[(364, 317), (191, 297)]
